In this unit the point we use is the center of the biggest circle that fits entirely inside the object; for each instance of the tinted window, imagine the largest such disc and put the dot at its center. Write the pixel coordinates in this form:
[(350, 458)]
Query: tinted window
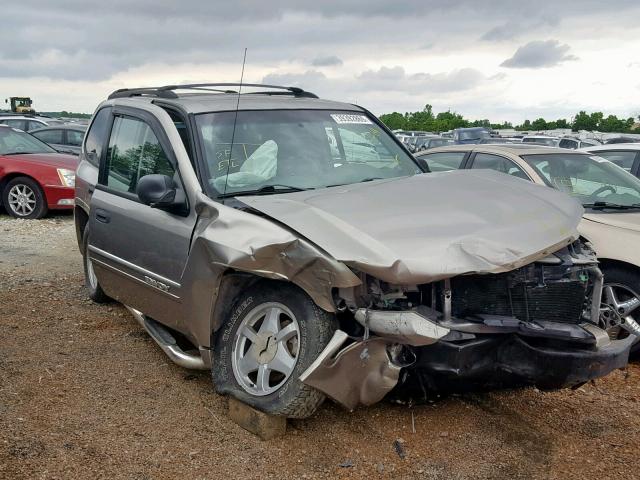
[(49, 136), (444, 161), (34, 125), (20, 124), (623, 159), (134, 151), (568, 143), (96, 135), (74, 138), (499, 164)]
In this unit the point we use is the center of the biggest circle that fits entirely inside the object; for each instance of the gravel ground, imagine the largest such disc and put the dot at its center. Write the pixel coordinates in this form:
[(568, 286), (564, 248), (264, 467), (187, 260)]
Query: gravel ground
[(84, 393)]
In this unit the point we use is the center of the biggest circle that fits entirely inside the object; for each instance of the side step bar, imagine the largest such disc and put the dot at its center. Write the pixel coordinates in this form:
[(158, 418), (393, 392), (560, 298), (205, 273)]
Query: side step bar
[(162, 336)]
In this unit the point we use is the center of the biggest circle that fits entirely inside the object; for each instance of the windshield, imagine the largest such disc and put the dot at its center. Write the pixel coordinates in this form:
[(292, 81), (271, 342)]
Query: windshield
[(588, 178), (298, 149), (15, 141)]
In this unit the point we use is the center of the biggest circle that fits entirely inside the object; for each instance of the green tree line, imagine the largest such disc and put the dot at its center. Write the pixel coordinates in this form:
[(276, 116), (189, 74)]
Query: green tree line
[(426, 120)]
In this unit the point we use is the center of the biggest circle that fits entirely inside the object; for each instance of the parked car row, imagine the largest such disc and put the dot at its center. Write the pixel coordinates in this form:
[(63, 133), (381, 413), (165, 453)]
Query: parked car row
[(333, 263)]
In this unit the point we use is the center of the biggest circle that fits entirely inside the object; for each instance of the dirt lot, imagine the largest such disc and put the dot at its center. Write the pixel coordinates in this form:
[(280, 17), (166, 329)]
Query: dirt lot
[(84, 393)]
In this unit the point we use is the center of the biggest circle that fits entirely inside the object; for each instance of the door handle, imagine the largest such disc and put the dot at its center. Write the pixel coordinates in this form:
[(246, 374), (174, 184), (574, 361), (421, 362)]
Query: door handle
[(102, 216)]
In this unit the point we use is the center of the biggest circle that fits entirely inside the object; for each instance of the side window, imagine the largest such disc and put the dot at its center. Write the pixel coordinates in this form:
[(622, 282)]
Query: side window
[(19, 124), (96, 136), (49, 136), (34, 125), (443, 161), (74, 138), (134, 151), (621, 158), (499, 164)]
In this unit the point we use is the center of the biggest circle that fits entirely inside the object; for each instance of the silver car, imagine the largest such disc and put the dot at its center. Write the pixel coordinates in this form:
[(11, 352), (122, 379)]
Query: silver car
[(292, 246)]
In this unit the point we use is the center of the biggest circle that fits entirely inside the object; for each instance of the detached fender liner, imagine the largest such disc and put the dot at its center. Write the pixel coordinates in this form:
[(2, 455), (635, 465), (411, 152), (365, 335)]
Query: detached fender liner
[(511, 360)]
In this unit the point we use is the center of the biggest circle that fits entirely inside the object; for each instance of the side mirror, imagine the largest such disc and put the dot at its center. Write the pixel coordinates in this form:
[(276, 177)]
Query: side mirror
[(423, 163), (159, 191)]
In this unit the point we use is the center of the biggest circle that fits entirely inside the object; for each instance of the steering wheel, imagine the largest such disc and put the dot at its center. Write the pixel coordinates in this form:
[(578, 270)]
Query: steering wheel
[(603, 189)]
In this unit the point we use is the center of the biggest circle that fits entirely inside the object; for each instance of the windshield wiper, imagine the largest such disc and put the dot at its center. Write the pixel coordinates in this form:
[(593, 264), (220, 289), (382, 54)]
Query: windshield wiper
[(613, 206), (370, 179), (276, 188)]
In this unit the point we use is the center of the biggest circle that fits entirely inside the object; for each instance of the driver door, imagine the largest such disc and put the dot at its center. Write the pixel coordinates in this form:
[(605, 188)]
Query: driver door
[(138, 252)]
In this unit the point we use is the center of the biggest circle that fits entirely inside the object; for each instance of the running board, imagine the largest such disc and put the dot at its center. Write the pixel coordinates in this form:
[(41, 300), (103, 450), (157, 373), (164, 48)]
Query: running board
[(162, 336)]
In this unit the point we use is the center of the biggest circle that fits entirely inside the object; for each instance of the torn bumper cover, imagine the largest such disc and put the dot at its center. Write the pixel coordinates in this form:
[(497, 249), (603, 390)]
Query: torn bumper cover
[(447, 358)]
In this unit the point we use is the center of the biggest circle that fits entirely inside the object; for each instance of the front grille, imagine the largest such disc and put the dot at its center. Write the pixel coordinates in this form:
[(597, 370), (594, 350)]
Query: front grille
[(535, 292)]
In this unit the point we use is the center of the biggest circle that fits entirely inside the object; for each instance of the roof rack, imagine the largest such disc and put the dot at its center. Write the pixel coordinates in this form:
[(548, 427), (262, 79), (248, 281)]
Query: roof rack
[(168, 90)]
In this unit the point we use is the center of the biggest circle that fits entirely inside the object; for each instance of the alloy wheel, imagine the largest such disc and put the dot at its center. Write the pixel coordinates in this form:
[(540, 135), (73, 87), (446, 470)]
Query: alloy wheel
[(22, 200), (265, 348)]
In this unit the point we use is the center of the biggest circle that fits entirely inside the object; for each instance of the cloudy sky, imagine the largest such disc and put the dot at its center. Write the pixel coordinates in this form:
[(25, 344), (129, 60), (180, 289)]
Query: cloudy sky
[(502, 60)]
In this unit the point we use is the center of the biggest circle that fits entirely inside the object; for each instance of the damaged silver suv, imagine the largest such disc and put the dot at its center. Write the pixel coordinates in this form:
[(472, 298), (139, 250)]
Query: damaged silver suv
[(292, 246)]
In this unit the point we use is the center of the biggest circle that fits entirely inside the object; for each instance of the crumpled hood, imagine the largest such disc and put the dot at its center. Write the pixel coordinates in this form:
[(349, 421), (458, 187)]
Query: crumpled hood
[(626, 220), (428, 227)]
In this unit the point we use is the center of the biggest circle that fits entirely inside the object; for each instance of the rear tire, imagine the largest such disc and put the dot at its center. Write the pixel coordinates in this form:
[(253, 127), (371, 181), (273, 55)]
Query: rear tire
[(90, 280), (624, 283), (23, 198), (273, 334)]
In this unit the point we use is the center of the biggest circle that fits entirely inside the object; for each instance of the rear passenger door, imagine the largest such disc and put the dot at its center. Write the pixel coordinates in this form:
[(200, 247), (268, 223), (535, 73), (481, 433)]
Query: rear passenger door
[(139, 252)]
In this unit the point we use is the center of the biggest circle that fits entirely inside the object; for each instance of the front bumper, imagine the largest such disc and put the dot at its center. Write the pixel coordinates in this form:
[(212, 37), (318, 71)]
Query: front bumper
[(59, 197), (459, 356), (507, 360)]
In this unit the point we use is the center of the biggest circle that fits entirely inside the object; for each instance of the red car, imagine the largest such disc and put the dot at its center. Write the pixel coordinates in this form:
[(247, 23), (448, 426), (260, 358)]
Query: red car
[(34, 178)]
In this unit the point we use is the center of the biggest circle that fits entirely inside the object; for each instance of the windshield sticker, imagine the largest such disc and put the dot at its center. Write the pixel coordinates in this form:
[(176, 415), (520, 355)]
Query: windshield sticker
[(344, 118)]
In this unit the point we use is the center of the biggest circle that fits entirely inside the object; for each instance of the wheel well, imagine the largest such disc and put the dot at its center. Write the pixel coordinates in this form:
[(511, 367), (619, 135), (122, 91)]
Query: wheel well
[(10, 176), (610, 263), (231, 284), (81, 219)]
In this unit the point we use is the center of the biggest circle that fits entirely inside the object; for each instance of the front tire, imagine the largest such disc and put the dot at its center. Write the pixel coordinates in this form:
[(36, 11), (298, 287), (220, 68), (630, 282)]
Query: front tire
[(273, 334), (23, 198), (621, 292), (90, 280)]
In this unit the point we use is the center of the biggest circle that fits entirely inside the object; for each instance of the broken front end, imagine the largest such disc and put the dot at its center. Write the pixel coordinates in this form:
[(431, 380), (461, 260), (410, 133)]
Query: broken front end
[(541, 324)]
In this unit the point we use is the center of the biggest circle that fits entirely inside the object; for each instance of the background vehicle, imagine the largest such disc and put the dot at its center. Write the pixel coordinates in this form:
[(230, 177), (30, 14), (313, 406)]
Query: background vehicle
[(610, 196), (259, 236), (64, 138), (422, 142), (541, 140), (34, 178), (499, 140), (436, 142), (20, 104), (575, 143), (625, 155), (463, 136), (24, 123)]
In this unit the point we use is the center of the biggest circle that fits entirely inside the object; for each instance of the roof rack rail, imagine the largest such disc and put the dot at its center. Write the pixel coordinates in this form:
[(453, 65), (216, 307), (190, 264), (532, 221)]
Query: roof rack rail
[(168, 90)]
